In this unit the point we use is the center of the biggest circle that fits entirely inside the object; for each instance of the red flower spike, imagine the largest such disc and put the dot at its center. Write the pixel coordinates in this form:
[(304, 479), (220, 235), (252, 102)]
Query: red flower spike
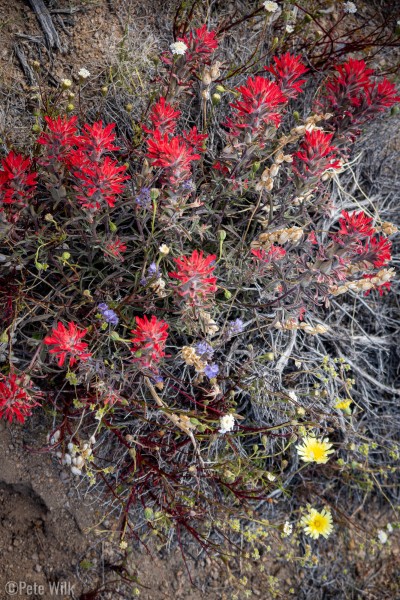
[(163, 118), (194, 274), (195, 139), (273, 254), (377, 251), (150, 336), (382, 289), (116, 248), (260, 105), (97, 139), (357, 224), (382, 95), (15, 400), (67, 341), (17, 185), (59, 138), (173, 154), (287, 70), (99, 183), (201, 43), (316, 155)]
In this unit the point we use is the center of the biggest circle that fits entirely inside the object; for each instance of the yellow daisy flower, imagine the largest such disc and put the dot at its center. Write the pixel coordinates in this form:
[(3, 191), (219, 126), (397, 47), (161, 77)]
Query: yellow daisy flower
[(343, 404), (317, 523), (315, 450)]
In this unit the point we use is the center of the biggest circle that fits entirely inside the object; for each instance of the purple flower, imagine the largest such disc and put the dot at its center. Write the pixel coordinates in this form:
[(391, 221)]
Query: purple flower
[(235, 327), (211, 370), (108, 314), (204, 349), (143, 198), (152, 272)]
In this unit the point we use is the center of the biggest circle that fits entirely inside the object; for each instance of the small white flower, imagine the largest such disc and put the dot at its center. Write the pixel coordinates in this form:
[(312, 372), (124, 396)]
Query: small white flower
[(350, 8), (389, 527), (76, 471), (292, 394), (271, 477), (84, 74), (178, 48), (298, 364), (289, 28), (382, 536), (271, 6), (227, 423), (164, 249), (67, 459), (287, 528), (66, 83), (92, 440)]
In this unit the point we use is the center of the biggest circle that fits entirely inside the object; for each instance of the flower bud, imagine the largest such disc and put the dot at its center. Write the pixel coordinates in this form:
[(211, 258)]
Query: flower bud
[(220, 88), (35, 128), (216, 99), (104, 90), (70, 107)]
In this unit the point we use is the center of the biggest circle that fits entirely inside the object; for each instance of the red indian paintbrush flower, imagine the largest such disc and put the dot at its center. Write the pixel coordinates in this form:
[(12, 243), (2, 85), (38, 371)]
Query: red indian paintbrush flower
[(377, 251), (381, 95), (357, 224), (17, 185), (59, 138), (195, 139), (316, 155), (67, 341), (354, 97), (382, 289), (96, 139), (149, 338), (287, 70), (116, 248), (273, 254), (194, 274), (260, 104), (163, 118), (201, 43), (172, 154), (99, 183), (15, 400)]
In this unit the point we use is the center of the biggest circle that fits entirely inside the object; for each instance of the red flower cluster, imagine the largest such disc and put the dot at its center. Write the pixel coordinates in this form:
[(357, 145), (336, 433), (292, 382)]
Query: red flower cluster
[(273, 254), (357, 234), (377, 251), (201, 43), (96, 140), (163, 118), (116, 248), (15, 400), (98, 182), (354, 97), (382, 289), (59, 139), (173, 154), (315, 156), (287, 70), (357, 224), (260, 105), (17, 184), (194, 274), (97, 179), (150, 336), (67, 341)]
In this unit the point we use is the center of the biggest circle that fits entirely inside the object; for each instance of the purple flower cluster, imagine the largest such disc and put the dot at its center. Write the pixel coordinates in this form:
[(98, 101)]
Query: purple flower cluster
[(211, 370), (234, 327), (204, 350), (153, 272), (108, 314), (143, 199)]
